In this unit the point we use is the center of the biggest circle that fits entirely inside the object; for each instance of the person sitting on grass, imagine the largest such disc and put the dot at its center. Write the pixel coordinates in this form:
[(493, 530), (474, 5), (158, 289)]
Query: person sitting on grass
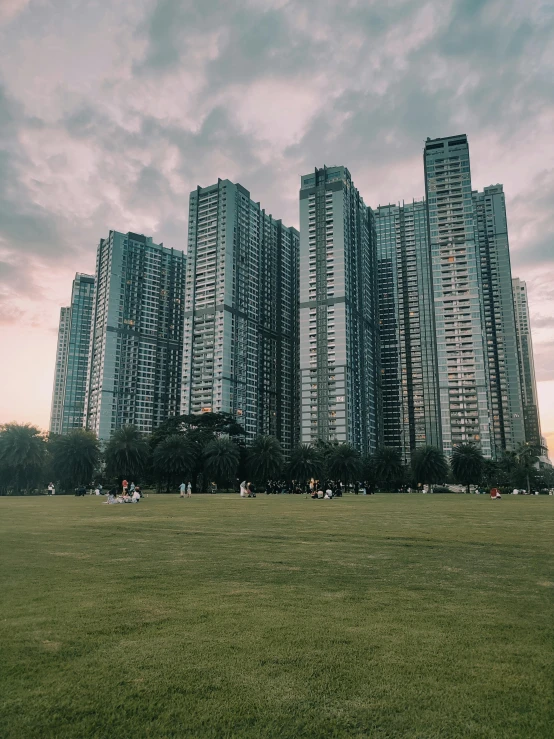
[(112, 497), (135, 497), (495, 494)]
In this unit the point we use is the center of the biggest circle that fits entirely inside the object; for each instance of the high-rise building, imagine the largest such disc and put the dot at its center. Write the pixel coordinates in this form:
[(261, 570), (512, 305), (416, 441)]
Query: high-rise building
[(241, 314), (339, 349), (459, 311), (56, 413), (507, 422), (68, 404), (526, 364), (135, 364), (411, 416)]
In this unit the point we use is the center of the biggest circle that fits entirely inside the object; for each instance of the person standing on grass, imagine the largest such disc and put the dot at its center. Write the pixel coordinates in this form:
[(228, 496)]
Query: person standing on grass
[(189, 489), (125, 486), (182, 490), (132, 488), (51, 489)]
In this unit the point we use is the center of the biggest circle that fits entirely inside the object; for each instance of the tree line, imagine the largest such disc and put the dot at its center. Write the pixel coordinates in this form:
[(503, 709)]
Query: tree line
[(210, 449)]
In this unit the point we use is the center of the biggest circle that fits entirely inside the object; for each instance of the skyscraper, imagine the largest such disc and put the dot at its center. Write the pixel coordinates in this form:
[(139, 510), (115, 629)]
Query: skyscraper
[(135, 364), (339, 352), (241, 314), (526, 363), (500, 326), (459, 311), (411, 416), (68, 404), (56, 413)]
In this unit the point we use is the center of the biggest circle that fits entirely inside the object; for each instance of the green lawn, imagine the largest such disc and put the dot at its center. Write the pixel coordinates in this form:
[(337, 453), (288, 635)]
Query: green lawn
[(383, 616)]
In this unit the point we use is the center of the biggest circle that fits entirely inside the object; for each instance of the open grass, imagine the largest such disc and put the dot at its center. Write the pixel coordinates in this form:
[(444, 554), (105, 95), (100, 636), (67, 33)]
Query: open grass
[(385, 616)]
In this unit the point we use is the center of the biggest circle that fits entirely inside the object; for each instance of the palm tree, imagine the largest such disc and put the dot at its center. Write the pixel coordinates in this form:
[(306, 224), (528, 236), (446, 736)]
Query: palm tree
[(22, 455), (468, 464), (429, 465), (344, 463), (265, 458), (305, 463), (74, 457), (369, 473), (173, 459), (387, 463), (527, 457), (126, 453), (222, 458)]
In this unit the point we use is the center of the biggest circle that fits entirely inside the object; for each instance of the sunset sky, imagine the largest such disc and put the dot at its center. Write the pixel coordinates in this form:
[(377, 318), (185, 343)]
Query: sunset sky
[(111, 112)]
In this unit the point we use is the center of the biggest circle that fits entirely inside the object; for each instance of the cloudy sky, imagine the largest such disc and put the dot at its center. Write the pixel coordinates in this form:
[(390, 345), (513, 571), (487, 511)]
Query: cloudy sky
[(111, 112)]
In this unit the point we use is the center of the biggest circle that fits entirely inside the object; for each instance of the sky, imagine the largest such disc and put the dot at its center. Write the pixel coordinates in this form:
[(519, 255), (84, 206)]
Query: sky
[(112, 112)]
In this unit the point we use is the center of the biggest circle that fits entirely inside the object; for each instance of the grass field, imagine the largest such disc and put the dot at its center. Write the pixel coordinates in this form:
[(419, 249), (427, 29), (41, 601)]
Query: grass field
[(383, 616)]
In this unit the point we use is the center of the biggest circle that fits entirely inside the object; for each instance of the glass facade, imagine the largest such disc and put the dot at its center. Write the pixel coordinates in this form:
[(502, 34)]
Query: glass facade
[(56, 413), (241, 314), (135, 362), (339, 338), (507, 422), (459, 312), (526, 363), (409, 378), (68, 405)]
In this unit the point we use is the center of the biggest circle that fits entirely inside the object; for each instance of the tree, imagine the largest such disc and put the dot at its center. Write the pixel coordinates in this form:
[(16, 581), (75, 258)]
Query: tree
[(22, 456), (74, 457), (173, 459), (265, 459), (214, 423), (221, 460), (527, 458), (127, 453), (429, 465), (305, 463), (369, 473), (200, 429), (344, 463), (388, 467), (468, 464)]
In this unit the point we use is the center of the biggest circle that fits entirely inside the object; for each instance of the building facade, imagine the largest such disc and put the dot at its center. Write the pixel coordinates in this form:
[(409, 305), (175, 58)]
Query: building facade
[(339, 342), (459, 312), (409, 380), (135, 362), (68, 404), (56, 413), (241, 314), (507, 420), (526, 364)]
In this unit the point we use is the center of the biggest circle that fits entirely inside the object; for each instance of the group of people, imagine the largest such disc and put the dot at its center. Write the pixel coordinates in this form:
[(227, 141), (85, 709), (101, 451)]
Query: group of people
[(327, 489), (284, 487), (185, 490), (129, 494)]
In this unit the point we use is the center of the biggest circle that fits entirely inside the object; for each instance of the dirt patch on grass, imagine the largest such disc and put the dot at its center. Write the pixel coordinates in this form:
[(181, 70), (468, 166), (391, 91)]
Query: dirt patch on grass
[(51, 646)]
